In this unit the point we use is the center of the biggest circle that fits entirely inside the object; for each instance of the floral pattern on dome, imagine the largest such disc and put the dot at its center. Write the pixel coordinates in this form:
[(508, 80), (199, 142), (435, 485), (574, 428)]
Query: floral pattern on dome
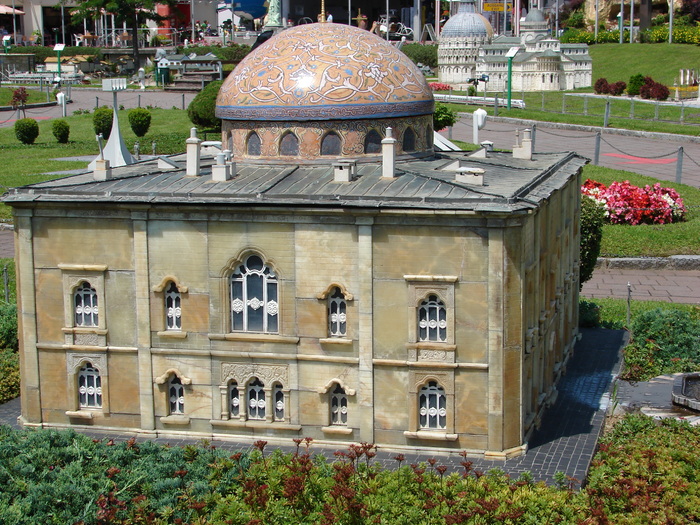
[(321, 71)]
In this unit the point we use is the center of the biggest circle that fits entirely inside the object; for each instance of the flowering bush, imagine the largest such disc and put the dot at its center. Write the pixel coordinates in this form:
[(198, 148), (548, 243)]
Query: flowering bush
[(628, 204), (439, 86)]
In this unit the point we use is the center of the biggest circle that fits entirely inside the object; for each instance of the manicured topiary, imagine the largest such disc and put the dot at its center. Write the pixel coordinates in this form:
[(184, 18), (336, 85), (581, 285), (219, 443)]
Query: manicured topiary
[(601, 86), (653, 90), (592, 219), (140, 121), (60, 130), (443, 117), (26, 130), (102, 121), (635, 83), (617, 88), (201, 109)]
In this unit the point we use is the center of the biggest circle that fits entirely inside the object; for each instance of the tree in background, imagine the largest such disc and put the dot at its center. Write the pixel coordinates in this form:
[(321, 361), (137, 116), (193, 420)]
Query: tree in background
[(133, 12)]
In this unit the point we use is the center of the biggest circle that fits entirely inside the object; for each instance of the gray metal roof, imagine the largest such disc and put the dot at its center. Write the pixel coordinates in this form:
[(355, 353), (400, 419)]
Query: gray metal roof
[(509, 185)]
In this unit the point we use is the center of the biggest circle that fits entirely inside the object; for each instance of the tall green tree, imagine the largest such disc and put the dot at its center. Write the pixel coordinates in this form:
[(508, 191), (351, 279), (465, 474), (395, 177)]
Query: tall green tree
[(133, 12)]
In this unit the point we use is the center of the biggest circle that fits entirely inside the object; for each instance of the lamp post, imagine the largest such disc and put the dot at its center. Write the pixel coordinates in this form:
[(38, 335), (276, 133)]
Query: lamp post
[(510, 55), (58, 48), (621, 20)]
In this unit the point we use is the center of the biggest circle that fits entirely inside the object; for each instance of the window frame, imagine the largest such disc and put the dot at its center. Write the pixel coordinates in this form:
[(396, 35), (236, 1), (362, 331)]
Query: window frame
[(241, 305), (159, 316), (89, 371)]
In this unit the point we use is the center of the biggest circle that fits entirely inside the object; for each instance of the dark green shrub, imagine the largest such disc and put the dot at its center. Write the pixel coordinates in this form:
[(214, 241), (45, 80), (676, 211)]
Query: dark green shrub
[(425, 54), (140, 121), (102, 121), (201, 109), (588, 314), (26, 130), (60, 130), (9, 375), (634, 85), (592, 219), (675, 332), (443, 117), (8, 326), (577, 20)]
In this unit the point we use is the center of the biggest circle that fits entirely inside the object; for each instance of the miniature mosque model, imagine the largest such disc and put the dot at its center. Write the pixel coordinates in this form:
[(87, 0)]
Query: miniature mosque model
[(467, 50), (328, 275)]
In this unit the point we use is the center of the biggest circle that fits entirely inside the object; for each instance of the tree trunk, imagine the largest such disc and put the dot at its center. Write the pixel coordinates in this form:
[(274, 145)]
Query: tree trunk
[(137, 56)]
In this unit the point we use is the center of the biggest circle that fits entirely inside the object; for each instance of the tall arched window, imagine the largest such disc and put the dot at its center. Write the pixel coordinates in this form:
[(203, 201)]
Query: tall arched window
[(289, 144), (331, 144), (173, 312), (234, 397), (254, 306), (432, 406), (432, 320), (337, 319), (85, 301), (256, 399), (89, 387), (176, 395), (409, 140), (278, 393), (373, 142), (339, 406), (253, 145)]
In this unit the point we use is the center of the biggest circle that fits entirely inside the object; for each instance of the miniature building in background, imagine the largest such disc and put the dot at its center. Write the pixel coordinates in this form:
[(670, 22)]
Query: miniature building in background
[(334, 279)]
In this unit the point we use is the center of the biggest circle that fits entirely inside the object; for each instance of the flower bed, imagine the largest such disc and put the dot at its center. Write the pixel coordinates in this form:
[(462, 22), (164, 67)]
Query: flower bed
[(439, 86), (628, 204)]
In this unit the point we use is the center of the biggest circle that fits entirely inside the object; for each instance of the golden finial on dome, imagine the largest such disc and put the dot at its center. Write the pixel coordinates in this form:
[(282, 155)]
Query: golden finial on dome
[(322, 16)]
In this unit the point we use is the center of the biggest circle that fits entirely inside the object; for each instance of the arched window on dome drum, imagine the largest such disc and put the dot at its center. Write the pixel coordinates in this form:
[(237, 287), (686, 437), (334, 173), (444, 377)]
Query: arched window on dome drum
[(289, 144), (373, 142), (429, 137), (409, 140), (253, 145), (331, 144)]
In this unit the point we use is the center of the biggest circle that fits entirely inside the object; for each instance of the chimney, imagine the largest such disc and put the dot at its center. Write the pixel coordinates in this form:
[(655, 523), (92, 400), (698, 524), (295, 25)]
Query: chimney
[(221, 172), (524, 150), (231, 162), (473, 176), (103, 171), (194, 146), (388, 155), (344, 170)]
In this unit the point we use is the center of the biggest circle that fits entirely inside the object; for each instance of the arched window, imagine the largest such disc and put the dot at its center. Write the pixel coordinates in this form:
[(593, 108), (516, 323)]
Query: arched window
[(256, 399), (339, 406), (176, 395), (289, 144), (89, 387), (337, 319), (432, 409), (85, 300), (234, 397), (432, 320), (331, 144), (253, 145), (173, 318), (429, 136), (254, 305), (373, 142), (409, 140), (279, 402)]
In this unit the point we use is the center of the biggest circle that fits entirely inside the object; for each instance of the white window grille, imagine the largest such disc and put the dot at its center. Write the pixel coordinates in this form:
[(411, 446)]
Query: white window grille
[(279, 402), (173, 311), (234, 396), (432, 320), (89, 387), (256, 399), (254, 306), (432, 409), (339, 406), (85, 298), (337, 318), (176, 395)]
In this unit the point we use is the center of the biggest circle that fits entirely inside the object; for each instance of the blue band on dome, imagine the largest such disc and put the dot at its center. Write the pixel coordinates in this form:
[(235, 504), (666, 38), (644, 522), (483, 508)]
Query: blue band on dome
[(326, 112)]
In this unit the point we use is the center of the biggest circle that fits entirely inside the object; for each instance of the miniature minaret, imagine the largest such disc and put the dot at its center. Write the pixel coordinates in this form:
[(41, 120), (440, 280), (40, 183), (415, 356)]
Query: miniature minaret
[(115, 151)]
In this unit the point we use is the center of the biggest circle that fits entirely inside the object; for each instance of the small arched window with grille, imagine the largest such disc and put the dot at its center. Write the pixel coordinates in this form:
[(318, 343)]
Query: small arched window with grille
[(278, 393), (256, 399), (253, 145), (432, 320), (176, 396), (85, 302), (432, 407), (339, 406), (337, 317), (173, 311), (234, 397), (89, 387)]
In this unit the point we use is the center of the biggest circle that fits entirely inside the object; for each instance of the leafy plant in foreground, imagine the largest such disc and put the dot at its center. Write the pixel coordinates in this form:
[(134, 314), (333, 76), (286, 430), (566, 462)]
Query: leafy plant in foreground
[(26, 130)]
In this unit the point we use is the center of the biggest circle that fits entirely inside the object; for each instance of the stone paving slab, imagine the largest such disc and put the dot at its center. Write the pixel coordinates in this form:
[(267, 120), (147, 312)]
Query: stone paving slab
[(565, 441), (674, 286)]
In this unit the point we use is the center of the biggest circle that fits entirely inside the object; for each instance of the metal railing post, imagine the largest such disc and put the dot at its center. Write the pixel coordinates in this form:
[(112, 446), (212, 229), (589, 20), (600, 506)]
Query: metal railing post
[(679, 165), (596, 155)]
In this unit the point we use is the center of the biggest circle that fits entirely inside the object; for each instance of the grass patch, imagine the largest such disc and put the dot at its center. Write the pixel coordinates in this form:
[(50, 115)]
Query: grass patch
[(35, 96), (650, 240), (613, 312)]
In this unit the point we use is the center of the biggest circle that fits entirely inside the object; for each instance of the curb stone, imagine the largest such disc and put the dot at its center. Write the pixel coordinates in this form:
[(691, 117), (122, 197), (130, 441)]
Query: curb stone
[(674, 262)]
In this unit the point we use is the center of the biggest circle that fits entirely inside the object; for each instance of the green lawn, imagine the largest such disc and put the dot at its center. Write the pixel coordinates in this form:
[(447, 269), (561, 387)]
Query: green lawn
[(35, 96), (613, 312)]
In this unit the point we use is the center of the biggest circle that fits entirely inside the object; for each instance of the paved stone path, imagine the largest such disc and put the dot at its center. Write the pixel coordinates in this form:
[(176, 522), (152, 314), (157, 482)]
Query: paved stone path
[(672, 286), (564, 443)]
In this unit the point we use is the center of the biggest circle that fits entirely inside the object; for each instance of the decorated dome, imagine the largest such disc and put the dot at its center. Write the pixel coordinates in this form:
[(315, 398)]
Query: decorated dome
[(467, 23), (324, 71), (535, 15)]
